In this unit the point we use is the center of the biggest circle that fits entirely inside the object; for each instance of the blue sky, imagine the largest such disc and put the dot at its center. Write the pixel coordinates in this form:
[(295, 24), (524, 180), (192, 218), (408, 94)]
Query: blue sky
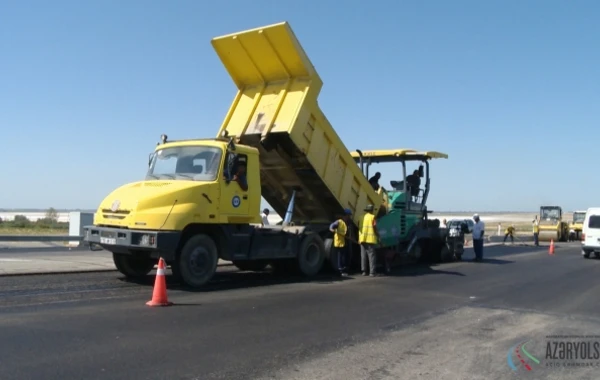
[(509, 89)]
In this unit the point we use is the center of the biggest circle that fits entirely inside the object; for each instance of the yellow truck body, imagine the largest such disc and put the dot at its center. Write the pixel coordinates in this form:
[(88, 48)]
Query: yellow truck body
[(276, 111)]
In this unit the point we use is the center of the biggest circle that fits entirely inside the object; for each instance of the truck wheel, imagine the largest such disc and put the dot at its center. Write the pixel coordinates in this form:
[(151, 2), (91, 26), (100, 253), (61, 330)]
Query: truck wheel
[(445, 254), (251, 265), (330, 254), (311, 255), (417, 252), (197, 262), (585, 254), (133, 266)]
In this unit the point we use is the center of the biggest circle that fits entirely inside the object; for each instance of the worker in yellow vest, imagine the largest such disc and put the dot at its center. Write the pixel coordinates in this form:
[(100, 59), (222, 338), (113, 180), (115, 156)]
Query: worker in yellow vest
[(510, 231), (340, 229), (368, 239), (536, 231)]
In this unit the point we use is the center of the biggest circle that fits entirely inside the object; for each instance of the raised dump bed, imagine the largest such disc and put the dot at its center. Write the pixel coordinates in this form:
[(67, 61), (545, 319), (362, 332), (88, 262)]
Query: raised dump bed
[(276, 110)]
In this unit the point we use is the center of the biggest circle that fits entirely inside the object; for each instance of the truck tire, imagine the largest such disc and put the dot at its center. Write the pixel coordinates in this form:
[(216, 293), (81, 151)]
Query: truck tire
[(197, 261), (330, 254), (417, 252), (251, 265), (311, 255), (446, 255), (585, 254), (133, 266)]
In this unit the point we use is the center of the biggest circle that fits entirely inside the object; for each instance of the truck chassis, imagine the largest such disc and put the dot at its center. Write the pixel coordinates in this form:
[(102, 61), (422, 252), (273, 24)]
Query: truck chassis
[(194, 253)]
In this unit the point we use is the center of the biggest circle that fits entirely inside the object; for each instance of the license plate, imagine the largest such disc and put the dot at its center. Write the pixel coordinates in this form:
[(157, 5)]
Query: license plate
[(105, 240)]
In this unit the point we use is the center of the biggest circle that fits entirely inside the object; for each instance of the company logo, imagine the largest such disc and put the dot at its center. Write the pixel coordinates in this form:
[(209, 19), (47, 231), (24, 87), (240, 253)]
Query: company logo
[(115, 205), (522, 356), (235, 201), (560, 351)]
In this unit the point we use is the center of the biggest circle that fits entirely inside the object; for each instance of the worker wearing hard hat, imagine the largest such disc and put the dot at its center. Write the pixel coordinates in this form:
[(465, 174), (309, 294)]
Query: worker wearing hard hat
[(536, 231), (368, 240), (340, 247), (510, 230), (478, 232)]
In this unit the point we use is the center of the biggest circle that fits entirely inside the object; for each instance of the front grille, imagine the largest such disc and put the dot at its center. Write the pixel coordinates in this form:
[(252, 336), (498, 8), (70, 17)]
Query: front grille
[(120, 212), (113, 216)]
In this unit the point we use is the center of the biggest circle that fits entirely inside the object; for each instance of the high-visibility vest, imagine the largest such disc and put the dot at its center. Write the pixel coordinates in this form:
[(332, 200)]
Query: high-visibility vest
[(367, 232), (509, 230), (339, 237), (536, 227)]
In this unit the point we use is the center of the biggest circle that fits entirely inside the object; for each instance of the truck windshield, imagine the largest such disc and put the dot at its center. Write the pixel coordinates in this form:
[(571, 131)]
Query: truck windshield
[(196, 163), (578, 217)]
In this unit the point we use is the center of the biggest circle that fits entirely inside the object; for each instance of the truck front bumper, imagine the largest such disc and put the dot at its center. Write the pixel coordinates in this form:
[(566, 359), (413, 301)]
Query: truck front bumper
[(118, 240)]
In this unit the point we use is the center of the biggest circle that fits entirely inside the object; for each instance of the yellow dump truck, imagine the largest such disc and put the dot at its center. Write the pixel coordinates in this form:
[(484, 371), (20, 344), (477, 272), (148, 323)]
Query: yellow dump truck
[(200, 200), (191, 211), (552, 226)]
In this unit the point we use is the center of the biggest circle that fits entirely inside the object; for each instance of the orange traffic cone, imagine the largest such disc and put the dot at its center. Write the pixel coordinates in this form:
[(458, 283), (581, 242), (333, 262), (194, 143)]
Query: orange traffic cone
[(551, 249), (159, 295)]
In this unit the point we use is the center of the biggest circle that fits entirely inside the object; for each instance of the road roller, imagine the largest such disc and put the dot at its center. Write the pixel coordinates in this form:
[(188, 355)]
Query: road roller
[(552, 226), (577, 224)]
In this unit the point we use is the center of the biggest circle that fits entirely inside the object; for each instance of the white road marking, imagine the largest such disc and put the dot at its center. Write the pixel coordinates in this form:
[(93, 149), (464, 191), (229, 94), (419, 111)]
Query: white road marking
[(15, 260)]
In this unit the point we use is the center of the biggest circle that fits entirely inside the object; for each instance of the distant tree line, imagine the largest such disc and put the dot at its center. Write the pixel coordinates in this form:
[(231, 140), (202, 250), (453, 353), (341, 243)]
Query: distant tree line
[(49, 221)]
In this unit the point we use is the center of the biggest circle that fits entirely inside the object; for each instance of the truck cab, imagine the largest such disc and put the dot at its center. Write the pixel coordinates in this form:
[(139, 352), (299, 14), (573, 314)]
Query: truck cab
[(190, 185), (187, 182)]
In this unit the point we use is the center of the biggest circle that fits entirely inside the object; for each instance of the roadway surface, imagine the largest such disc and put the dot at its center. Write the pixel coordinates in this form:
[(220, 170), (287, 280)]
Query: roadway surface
[(451, 321)]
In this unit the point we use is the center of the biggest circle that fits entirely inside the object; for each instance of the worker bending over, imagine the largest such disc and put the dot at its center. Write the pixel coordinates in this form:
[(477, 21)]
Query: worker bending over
[(510, 230), (340, 229)]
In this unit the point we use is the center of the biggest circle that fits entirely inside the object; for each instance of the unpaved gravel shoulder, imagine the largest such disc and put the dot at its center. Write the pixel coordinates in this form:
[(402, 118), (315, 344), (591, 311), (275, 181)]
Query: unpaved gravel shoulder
[(467, 343)]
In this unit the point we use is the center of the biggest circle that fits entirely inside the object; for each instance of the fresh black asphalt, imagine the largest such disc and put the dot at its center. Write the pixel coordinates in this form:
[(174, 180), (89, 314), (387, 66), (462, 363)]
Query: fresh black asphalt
[(246, 325)]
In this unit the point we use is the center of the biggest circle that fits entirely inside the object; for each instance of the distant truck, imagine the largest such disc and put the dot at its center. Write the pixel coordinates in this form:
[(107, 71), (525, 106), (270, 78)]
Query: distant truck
[(191, 211)]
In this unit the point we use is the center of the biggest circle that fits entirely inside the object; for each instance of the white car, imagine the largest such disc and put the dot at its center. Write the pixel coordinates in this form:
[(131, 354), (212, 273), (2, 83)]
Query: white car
[(590, 236)]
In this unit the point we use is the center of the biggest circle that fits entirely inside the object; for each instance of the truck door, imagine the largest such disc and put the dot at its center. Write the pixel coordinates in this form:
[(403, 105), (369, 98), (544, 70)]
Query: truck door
[(234, 199)]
